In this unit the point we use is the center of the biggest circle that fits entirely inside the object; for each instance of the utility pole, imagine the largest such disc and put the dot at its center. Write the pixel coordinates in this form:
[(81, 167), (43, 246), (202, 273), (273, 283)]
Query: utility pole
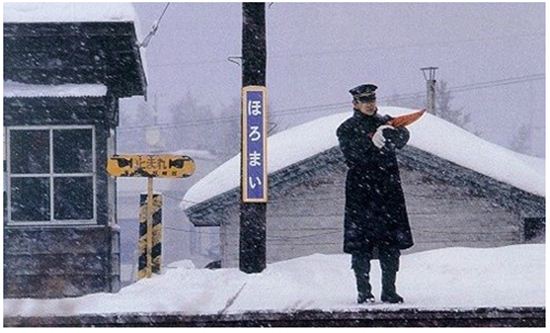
[(252, 245), (429, 76)]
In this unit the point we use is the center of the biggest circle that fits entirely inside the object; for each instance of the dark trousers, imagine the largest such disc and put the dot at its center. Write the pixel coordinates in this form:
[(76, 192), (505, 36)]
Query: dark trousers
[(389, 264), (389, 259)]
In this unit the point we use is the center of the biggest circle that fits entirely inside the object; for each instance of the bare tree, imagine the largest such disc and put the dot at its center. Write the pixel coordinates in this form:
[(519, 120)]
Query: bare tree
[(443, 107), (192, 126), (444, 110), (521, 142), (406, 101)]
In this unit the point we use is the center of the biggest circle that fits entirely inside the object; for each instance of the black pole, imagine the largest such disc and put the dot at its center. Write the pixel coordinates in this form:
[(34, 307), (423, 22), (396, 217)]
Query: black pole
[(252, 245)]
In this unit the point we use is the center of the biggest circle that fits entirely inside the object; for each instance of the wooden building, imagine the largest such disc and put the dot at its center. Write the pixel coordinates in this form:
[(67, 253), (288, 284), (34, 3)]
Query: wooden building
[(65, 67), (460, 191)]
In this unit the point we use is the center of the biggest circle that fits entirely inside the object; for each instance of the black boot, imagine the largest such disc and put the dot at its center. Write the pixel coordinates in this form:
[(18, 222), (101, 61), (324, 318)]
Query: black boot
[(389, 295), (364, 294)]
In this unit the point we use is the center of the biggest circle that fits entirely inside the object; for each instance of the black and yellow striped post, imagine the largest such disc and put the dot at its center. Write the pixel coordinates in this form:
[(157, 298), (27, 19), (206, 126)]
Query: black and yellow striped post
[(150, 243), (150, 214)]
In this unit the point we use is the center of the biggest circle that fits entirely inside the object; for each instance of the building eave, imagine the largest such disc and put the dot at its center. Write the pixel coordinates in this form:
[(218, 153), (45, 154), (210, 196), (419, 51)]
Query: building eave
[(506, 195), (120, 66)]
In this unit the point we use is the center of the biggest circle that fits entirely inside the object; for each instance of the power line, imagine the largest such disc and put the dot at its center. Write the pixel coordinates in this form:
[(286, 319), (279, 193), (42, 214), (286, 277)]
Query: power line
[(495, 85), (190, 63), (154, 28), (410, 45), (530, 76), (357, 50), (332, 106), (164, 11), (186, 123)]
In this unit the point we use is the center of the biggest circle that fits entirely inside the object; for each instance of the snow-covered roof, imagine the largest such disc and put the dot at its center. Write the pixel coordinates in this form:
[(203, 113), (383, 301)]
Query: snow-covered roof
[(35, 12), (52, 12), (18, 89), (196, 154), (430, 134)]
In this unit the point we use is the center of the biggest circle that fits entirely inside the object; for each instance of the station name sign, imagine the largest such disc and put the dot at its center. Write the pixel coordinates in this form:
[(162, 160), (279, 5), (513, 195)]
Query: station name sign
[(254, 144), (165, 166)]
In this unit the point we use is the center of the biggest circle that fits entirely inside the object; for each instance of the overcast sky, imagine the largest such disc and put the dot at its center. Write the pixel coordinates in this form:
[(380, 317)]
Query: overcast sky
[(318, 51)]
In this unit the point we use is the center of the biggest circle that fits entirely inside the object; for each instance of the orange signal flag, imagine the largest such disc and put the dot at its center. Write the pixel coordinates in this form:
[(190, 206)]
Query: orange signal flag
[(406, 119)]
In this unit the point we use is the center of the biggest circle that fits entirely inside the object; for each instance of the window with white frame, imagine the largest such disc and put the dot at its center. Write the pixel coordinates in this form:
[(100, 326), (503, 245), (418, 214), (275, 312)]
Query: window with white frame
[(51, 174)]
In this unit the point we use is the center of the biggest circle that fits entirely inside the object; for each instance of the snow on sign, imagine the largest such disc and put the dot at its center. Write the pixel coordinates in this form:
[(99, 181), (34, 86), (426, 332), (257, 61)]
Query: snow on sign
[(169, 166), (254, 140)]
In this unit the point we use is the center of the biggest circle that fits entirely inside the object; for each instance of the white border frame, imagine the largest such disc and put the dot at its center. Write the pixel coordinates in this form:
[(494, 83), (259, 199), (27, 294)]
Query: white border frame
[(244, 135)]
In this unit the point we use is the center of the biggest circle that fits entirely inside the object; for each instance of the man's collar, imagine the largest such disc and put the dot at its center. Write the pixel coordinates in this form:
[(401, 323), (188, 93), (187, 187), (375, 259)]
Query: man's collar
[(358, 113)]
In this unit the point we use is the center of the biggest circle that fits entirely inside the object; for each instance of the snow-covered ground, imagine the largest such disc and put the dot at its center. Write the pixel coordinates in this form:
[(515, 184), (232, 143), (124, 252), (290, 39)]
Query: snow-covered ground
[(439, 279)]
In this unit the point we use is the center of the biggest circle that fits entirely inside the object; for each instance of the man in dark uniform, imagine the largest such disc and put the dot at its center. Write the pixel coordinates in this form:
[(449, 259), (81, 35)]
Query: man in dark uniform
[(376, 222)]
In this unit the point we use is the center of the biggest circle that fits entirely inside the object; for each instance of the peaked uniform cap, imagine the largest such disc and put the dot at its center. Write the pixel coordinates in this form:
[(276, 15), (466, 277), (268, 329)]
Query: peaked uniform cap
[(364, 91)]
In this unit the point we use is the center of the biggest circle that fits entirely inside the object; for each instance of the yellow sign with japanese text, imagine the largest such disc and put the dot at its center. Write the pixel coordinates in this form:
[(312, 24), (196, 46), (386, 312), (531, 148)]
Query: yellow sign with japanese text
[(165, 166)]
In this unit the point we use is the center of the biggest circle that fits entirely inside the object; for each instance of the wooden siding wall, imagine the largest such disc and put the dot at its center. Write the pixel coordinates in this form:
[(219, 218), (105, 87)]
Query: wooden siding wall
[(60, 261), (66, 260), (445, 216), (308, 218), (75, 52)]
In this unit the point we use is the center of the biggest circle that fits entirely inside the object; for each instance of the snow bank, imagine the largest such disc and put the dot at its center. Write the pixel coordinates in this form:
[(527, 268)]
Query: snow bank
[(17, 89), (439, 279), (430, 133)]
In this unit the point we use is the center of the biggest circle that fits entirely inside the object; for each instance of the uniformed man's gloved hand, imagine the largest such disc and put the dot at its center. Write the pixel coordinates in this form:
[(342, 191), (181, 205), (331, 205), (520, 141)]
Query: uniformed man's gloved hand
[(379, 139), (392, 136), (395, 137)]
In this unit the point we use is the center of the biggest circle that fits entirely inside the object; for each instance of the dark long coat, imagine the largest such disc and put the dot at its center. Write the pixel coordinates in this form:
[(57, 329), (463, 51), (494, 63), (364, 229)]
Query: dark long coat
[(375, 211)]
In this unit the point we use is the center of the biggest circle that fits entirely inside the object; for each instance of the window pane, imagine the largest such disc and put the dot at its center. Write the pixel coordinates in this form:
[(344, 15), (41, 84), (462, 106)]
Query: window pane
[(29, 151), (30, 199), (73, 198), (72, 150)]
